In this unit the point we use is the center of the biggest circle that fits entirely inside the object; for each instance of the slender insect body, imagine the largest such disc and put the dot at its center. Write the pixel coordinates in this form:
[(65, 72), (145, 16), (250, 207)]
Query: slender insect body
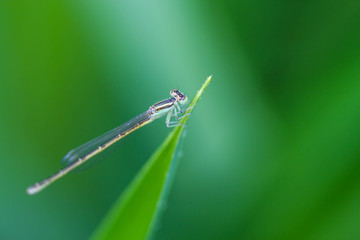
[(76, 157)]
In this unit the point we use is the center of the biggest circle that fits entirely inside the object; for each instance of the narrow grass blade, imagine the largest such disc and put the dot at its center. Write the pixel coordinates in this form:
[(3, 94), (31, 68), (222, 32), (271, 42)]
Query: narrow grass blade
[(132, 215)]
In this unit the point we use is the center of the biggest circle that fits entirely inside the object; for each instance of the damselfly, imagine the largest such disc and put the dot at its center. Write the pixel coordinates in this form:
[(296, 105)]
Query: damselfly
[(171, 107)]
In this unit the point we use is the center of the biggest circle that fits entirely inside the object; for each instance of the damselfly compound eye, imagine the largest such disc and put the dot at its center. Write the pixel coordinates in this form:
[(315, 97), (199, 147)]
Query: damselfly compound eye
[(178, 95)]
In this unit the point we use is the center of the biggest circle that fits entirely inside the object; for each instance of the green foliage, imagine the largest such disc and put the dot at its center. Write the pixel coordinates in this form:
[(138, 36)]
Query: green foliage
[(133, 214), (281, 159)]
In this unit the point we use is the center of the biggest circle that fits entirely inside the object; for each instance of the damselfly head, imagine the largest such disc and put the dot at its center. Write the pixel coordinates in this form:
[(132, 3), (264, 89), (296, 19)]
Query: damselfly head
[(181, 98)]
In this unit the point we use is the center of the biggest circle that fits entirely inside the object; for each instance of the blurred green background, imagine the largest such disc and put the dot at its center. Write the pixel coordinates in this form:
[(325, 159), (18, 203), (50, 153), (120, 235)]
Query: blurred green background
[(272, 150)]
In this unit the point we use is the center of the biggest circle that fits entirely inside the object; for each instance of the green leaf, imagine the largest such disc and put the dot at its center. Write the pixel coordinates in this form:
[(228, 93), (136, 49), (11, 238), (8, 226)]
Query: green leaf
[(133, 214)]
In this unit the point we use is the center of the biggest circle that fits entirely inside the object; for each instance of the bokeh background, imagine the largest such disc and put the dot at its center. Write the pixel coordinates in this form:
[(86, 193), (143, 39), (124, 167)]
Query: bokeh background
[(271, 152)]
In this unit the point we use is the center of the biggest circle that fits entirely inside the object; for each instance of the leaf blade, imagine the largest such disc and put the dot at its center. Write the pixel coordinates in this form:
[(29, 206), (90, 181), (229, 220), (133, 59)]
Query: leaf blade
[(133, 214)]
